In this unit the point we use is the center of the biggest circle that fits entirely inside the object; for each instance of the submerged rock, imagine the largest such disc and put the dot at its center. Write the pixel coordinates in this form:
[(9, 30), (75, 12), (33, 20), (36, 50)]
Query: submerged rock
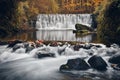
[(97, 62), (44, 55), (115, 59), (75, 64), (76, 47)]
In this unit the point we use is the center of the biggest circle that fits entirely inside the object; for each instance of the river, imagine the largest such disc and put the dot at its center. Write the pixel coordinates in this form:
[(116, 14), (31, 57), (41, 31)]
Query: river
[(22, 65)]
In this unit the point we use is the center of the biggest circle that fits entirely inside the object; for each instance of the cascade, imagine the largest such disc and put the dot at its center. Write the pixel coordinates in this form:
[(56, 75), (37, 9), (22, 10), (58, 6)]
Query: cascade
[(62, 21)]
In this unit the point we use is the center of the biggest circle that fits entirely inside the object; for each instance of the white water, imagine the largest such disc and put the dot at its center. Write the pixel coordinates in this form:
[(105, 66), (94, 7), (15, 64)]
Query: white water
[(19, 65), (62, 21)]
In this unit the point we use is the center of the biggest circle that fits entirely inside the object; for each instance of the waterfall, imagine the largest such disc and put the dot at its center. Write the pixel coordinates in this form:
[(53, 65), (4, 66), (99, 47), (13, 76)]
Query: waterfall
[(62, 21)]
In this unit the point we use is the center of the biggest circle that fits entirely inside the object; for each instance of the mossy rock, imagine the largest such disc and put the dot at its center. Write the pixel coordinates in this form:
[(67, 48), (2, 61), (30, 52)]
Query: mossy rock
[(83, 27)]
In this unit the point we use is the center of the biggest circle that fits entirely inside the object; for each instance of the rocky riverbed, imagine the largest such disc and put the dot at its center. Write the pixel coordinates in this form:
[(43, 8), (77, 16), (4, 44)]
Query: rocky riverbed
[(25, 60)]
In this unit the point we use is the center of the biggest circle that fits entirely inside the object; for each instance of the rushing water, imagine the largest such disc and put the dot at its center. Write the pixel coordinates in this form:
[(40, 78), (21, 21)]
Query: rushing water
[(20, 65), (62, 21)]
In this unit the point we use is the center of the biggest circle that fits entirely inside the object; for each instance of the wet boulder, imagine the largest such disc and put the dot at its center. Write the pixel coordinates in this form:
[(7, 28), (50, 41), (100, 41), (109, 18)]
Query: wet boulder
[(88, 46), (17, 46), (98, 46), (75, 64), (97, 63), (12, 44), (45, 54), (29, 48), (77, 47), (115, 59)]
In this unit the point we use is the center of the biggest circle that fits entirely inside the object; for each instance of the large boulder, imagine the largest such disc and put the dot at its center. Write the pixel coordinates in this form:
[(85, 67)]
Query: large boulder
[(97, 63), (75, 64), (83, 27), (115, 59)]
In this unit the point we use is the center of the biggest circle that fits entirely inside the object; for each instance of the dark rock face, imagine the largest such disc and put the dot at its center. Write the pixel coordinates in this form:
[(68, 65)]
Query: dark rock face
[(75, 64), (94, 21), (29, 48), (115, 59), (16, 47), (12, 44), (77, 47), (98, 63), (44, 55)]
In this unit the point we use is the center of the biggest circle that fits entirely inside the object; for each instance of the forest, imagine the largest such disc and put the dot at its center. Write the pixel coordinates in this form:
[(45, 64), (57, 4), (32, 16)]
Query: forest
[(16, 15)]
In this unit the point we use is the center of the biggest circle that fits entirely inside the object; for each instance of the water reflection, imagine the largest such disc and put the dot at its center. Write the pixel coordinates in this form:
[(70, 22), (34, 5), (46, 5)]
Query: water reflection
[(63, 35), (51, 35)]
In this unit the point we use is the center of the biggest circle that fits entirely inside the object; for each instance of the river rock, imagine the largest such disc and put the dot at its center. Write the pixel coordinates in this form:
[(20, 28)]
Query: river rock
[(88, 46), (44, 55), (12, 44), (17, 46), (76, 47), (75, 64), (97, 62), (115, 59), (29, 48)]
